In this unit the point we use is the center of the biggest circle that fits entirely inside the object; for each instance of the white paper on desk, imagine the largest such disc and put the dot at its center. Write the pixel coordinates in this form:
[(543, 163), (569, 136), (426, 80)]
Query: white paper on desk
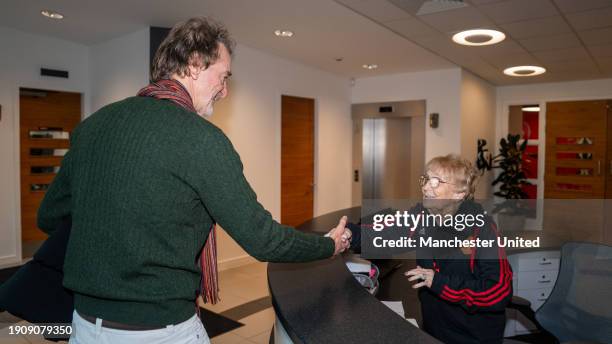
[(398, 308), (413, 322), (395, 306)]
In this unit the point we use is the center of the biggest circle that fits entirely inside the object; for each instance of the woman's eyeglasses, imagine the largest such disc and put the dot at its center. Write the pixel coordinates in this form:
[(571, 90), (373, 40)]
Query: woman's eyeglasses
[(433, 181)]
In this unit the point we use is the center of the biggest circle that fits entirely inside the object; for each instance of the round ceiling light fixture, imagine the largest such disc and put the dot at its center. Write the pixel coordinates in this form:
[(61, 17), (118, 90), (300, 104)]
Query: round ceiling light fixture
[(478, 37), (52, 14), (370, 66), (522, 71), (283, 33)]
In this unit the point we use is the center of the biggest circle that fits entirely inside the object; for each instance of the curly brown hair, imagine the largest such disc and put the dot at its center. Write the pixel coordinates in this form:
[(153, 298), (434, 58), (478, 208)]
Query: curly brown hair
[(194, 42)]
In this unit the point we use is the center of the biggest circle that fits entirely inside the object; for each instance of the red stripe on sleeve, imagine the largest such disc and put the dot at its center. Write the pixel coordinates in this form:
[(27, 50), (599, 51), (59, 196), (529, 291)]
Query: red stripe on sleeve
[(489, 296), (485, 298)]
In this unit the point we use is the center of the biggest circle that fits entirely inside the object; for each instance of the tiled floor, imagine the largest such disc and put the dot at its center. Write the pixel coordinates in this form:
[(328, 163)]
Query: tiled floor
[(244, 298), (241, 286)]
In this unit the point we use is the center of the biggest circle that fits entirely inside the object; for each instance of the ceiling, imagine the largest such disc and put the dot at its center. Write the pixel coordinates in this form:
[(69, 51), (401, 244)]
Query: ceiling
[(571, 38)]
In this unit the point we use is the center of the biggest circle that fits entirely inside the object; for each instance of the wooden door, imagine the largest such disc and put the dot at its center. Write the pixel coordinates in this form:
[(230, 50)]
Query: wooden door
[(297, 160), (46, 120), (576, 144)]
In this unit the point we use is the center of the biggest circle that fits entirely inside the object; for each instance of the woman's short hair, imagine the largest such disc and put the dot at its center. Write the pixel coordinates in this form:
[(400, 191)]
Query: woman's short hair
[(193, 42), (461, 172)]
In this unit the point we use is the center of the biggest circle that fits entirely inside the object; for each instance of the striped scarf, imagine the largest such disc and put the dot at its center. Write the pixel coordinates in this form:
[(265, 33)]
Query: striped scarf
[(175, 92)]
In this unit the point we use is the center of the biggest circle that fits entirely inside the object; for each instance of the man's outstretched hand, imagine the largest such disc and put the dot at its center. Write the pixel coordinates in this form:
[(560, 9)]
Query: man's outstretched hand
[(341, 236)]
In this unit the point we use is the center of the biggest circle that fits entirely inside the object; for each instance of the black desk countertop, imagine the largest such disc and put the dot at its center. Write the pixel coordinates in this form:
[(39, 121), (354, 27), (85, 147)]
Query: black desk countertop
[(321, 302)]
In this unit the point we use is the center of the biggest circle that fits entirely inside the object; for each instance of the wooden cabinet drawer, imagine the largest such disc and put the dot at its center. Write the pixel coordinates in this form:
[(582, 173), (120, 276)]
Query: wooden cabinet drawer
[(536, 279)]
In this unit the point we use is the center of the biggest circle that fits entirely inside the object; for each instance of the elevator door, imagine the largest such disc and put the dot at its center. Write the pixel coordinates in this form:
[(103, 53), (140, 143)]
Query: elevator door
[(386, 158)]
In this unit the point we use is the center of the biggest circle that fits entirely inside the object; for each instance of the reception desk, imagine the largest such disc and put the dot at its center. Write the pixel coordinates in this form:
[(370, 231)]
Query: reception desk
[(321, 302)]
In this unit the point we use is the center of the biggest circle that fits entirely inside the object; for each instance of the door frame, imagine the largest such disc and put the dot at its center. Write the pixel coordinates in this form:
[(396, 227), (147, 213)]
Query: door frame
[(503, 109), (503, 129), (411, 108), (278, 143), (17, 258), (502, 126)]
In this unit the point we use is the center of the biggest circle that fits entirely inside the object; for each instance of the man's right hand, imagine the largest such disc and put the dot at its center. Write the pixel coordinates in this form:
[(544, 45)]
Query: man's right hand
[(341, 236)]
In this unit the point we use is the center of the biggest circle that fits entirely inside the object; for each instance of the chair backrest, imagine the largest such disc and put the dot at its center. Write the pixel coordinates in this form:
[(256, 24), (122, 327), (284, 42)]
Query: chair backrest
[(579, 307)]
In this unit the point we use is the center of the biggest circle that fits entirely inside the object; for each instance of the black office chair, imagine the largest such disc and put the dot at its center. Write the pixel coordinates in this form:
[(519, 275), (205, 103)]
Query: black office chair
[(579, 308)]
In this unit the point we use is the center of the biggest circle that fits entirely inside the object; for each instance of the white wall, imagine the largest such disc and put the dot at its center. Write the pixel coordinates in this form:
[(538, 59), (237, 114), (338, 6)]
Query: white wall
[(478, 108), (250, 116), (574, 90), (119, 68), (442, 91), (546, 92), (21, 57)]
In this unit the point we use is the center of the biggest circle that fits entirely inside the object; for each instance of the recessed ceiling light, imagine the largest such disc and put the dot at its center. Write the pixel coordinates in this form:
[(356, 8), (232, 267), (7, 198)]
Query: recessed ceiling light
[(52, 14), (524, 71), (283, 33), (479, 37), (531, 108), (370, 66)]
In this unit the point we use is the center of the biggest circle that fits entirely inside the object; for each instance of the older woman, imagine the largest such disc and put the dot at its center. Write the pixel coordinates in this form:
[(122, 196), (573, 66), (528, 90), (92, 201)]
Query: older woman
[(463, 291)]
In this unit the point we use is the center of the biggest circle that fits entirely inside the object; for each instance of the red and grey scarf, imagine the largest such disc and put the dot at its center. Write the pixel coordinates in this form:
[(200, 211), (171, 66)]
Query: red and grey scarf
[(175, 92)]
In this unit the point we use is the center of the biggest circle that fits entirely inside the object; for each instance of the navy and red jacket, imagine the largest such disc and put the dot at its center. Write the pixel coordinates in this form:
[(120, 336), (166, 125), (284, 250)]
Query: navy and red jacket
[(471, 287)]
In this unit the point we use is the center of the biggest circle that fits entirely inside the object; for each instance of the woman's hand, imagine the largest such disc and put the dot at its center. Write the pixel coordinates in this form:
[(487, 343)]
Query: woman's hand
[(425, 276)]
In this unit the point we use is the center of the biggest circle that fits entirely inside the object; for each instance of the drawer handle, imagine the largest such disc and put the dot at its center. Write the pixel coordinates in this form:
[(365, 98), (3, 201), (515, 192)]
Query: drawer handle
[(545, 263), (544, 281), (542, 299)]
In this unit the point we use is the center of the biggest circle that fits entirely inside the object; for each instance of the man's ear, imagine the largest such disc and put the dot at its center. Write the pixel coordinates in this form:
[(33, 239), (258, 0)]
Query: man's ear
[(194, 72)]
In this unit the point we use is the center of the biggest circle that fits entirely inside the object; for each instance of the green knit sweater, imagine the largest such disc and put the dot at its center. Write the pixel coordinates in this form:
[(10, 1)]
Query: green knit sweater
[(143, 181)]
